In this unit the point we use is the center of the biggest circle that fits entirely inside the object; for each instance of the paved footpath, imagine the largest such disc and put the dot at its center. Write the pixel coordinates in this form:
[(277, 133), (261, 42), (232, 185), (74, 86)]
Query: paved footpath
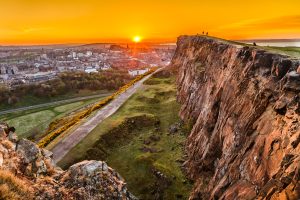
[(73, 138)]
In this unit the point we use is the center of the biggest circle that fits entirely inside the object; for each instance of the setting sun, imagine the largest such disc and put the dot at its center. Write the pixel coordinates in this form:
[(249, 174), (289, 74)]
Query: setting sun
[(137, 39)]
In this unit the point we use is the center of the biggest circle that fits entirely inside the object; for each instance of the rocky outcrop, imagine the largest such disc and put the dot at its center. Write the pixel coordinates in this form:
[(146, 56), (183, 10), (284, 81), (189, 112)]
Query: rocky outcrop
[(23, 163), (244, 105)]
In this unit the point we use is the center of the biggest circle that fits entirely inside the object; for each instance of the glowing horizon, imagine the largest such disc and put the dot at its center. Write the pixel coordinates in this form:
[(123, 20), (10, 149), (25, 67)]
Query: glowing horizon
[(90, 21)]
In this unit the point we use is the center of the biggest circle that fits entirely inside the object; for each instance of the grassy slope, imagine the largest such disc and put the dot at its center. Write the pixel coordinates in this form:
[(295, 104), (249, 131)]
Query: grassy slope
[(132, 163), (35, 122), (30, 100), (293, 52), (290, 51)]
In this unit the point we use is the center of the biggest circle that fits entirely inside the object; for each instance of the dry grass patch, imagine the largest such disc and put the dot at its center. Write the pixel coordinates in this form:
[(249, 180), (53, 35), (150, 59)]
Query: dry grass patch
[(11, 187)]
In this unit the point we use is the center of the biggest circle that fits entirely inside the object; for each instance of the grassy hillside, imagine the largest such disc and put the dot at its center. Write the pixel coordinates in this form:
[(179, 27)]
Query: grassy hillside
[(33, 123), (290, 51), (136, 142), (293, 52), (30, 100)]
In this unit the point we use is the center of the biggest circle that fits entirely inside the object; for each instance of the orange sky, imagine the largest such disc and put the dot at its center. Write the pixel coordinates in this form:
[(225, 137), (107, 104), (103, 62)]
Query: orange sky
[(87, 21)]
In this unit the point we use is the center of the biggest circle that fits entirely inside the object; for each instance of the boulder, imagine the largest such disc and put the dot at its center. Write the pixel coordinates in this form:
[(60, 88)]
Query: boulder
[(2, 133), (28, 150), (12, 137), (4, 126), (293, 82), (42, 179), (47, 154)]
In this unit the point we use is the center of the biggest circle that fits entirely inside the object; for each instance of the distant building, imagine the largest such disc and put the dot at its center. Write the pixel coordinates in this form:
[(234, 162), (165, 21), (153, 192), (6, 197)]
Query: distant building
[(89, 53), (37, 65), (40, 77), (61, 68), (3, 70), (4, 77), (105, 66), (90, 70), (74, 55), (14, 70), (138, 72), (44, 56), (80, 55)]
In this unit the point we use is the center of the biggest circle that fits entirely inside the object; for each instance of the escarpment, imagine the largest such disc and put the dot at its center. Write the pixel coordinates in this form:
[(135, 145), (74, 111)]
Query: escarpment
[(28, 172), (244, 104)]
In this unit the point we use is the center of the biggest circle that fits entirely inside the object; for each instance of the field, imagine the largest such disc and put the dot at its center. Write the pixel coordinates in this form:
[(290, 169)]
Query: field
[(136, 142), (290, 51), (30, 100), (293, 52), (32, 123)]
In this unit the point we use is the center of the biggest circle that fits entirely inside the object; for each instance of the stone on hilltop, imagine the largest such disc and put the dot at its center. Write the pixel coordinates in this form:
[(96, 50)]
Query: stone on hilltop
[(28, 150)]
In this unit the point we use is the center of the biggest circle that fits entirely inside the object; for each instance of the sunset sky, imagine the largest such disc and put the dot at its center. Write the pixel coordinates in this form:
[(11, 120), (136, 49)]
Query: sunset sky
[(87, 21)]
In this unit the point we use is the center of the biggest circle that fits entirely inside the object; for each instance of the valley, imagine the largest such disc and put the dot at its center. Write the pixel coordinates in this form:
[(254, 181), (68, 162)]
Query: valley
[(143, 138), (220, 122)]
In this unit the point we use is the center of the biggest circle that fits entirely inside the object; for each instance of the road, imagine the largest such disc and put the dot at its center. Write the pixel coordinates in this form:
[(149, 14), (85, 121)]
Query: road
[(73, 138), (53, 103)]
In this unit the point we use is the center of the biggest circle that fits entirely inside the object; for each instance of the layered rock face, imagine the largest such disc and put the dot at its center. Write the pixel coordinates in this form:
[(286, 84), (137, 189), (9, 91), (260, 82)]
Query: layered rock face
[(27, 172), (244, 105)]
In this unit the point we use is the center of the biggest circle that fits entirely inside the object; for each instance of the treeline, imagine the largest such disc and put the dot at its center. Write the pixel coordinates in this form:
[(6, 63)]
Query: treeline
[(67, 83)]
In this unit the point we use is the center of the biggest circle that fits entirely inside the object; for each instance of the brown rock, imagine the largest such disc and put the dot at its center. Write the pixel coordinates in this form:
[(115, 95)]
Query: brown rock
[(42, 179), (13, 137), (2, 133), (244, 105)]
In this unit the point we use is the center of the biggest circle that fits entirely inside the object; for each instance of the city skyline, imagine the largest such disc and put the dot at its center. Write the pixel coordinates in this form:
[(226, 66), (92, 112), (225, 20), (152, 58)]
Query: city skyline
[(58, 22)]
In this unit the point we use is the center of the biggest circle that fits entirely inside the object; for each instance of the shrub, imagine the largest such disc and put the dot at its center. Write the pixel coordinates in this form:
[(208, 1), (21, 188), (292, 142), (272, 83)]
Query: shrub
[(50, 136), (68, 82)]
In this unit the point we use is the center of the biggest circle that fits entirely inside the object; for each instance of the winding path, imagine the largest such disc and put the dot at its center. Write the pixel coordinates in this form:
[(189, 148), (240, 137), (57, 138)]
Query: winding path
[(73, 138)]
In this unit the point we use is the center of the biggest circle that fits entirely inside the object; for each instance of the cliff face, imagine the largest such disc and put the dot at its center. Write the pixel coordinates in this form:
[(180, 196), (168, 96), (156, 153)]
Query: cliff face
[(28, 172), (244, 104)]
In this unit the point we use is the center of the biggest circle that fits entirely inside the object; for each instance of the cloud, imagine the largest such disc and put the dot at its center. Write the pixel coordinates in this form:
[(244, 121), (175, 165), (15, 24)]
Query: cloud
[(32, 29), (283, 22), (279, 27)]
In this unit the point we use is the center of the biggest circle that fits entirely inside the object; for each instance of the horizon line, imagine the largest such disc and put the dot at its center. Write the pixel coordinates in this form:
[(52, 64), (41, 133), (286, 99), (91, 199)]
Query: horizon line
[(159, 41)]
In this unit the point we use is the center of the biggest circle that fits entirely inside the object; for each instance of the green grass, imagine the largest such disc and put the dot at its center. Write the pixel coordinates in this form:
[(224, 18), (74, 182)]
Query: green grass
[(290, 51), (30, 100), (293, 52), (33, 123), (157, 99), (67, 107), (26, 123)]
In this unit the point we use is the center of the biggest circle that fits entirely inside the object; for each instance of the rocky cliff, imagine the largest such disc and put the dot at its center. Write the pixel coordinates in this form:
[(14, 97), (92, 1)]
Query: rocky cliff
[(28, 172), (244, 105)]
